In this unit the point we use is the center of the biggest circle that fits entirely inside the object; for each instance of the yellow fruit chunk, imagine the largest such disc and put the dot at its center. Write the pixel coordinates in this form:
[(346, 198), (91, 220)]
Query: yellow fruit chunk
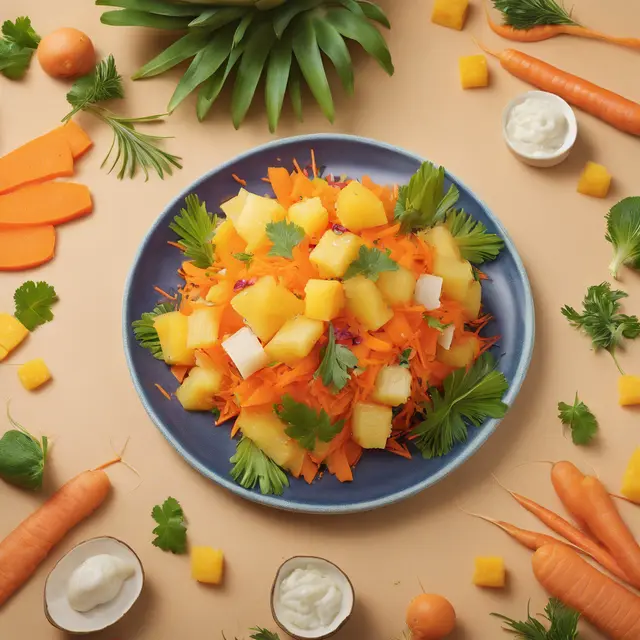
[(457, 275), (359, 208), (12, 333), (203, 327), (207, 565), (371, 425), (334, 253), (324, 299), (461, 354), (173, 329), (198, 389), (227, 239), (233, 208), (450, 13), (474, 72), (393, 386), (594, 181), (34, 374), (628, 390), (631, 480), (366, 303), (310, 215), (256, 214), (473, 301), (294, 340), (397, 287), (442, 240), (490, 572)]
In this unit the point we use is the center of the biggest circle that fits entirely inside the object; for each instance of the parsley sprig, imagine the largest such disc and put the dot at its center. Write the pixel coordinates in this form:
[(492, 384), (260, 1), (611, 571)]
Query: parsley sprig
[(33, 303), (563, 623), (623, 232), (476, 244), (195, 227), (171, 532), (336, 362), (17, 47), (370, 263), (579, 419), (145, 331), (252, 467), (285, 236)]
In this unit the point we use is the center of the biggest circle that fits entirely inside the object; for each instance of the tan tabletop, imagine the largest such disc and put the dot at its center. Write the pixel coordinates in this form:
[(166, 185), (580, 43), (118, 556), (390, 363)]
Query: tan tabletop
[(91, 403)]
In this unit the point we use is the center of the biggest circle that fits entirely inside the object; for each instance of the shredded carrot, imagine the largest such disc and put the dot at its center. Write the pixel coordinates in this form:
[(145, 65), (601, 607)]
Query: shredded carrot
[(314, 168), (162, 391), (297, 166), (177, 245), (164, 293), (180, 371), (240, 181)]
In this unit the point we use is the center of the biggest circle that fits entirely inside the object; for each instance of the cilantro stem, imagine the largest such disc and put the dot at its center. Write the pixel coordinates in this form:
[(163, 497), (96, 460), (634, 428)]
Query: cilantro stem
[(613, 355)]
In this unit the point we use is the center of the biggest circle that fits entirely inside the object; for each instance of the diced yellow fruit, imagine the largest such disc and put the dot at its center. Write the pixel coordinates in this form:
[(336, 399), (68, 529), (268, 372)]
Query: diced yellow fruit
[(197, 391), (203, 327), (371, 425), (461, 354), (393, 386), (397, 287), (366, 303), (473, 300), (233, 208), (173, 329), (227, 239), (324, 299), (34, 374), (457, 275), (442, 240), (310, 215), (12, 333), (207, 565), (334, 253), (628, 390), (450, 13), (594, 181), (631, 480), (474, 72), (257, 213), (359, 208), (294, 340), (490, 572), (219, 293)]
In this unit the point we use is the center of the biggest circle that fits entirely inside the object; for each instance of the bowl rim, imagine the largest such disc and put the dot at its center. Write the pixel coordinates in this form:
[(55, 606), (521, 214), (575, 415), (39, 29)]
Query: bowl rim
[(281, 502)]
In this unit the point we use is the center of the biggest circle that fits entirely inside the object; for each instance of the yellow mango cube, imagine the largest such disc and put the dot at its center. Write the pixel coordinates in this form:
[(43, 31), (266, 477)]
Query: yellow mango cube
[(631, 480), (257, 213), (34, 374), (294, 340), (397, 287), (457, 276), (474, 72), (197, 391), (393, 386), (173, 329), (473, 301), (310, 215), (12, 333), (203, 327), (227, 240), (359, 208), (490, 572), (324, 299), (366, 303), (334, 253), (628, 390), (207, 565), (594, 181), (233, 208), (442, 241), (450, 13), (371, 425), (461, 354)]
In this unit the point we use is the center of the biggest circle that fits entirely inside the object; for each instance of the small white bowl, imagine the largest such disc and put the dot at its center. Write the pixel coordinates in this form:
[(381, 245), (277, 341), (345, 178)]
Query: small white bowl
[(555, 157)]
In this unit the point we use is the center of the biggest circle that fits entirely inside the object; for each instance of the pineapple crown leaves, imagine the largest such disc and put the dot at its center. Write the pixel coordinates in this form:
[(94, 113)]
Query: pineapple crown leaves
[(286, 42)]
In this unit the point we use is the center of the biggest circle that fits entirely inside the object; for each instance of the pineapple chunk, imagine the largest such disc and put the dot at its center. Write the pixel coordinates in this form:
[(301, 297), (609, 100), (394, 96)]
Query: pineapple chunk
[(371, 425), (227, 239), (295, 340), (233, 208), (474, 72), (324, 299), (12, 333), (490, 572), (393, 386), (397, 287), (256, 214), (246, 352), (34, 374), (173, 329), (203, 327), (366, 303), (628, 390), (442, 240), (457, 276), (220, 293), (197, 391), (310, 215), (428, 291), (334, 253), (631, 480), (461, 354), (473, 300), (207, 565), (450, 13), (594, 181), (359, 208)]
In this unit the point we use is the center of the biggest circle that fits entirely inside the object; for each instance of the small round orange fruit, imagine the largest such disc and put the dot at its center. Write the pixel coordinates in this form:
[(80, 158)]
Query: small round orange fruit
[(430, 617), (66, 53)]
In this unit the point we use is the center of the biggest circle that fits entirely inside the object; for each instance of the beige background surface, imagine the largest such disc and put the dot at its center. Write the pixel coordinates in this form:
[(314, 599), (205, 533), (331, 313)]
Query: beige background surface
[(559, 233)]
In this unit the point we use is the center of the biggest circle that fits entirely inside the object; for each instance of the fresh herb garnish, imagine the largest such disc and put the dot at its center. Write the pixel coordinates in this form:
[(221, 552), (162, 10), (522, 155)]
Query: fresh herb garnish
[(17, 47), (285, 236), (145, 331), (336, 362), (476, 244), (623, 232), (404, 358), (469, 396), (263, 634), (435, 323), (195, 227), (525, 14), (247, 258), (252, 467), (579, 419), (370, 263), (171, 532), (563, 623), (216, 413), (33, 303)]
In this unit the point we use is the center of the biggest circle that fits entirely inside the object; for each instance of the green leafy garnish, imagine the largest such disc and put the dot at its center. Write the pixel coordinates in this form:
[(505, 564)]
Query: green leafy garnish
[(247, 258), (601, 319), (370, 263), (423, 203), (435, 323), (306, 425), (623, 232), (171, 532), (469, 396), (195, 227), (526, 14), (33, 303), (251, 467), (405, 356), (17, 47), (563, 623), (263, 634), (285, 236), (476, 244), (146, 333), (579, 419), (336, 362), (216, 413)]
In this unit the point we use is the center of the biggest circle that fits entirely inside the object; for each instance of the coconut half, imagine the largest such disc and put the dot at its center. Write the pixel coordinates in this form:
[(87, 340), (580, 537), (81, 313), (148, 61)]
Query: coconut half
[(56, 605), (337, 576)]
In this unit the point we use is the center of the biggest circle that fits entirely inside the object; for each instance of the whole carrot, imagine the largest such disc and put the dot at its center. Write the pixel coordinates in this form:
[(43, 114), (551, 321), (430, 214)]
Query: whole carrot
[(567, 481), (605, 603), (31, 541)]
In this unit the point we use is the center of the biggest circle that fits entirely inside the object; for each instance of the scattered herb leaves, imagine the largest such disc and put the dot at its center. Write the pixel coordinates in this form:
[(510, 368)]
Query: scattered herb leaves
[(252, 467), (579, 419), (476, 244), (563, 623), (171, 532), (370, 263), (336, 362), (145, 331), (623, 232), (195, 227), (285, 236), (33, 303), (17, 47)]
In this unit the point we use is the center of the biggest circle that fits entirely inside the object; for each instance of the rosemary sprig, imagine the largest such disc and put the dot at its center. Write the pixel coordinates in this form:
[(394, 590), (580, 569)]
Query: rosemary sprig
[(525, 14)]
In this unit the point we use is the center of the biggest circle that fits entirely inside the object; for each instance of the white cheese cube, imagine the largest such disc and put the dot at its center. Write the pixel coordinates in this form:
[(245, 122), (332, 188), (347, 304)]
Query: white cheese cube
[(244, 348), (428, 290), (446, 337)]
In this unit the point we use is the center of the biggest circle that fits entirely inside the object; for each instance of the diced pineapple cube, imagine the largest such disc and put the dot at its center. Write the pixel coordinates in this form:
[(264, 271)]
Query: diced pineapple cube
[(461, 354), (197, 391), (442, 240), (359, 208), (366, 303), (393, 386), (203, 327), (227, 239), (371, 425), (473, 300), (628, 390), (631, 480), (428, 291), (294, 340), (173, 329), (456, 276), (12, 333), (324, 299), (310, 215), (446, 337), (594, 181), (233, 208), (450, 13), (257, 213), (34, 374), (207, 565), (246, 352), (490, 572), (474, 72), (397, 287), (334, 253), (220, 293)]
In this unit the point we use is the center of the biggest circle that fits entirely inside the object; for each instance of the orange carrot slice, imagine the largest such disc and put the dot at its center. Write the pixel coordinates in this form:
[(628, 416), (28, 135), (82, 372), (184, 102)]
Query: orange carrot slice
[(77, 139), (26, 247)]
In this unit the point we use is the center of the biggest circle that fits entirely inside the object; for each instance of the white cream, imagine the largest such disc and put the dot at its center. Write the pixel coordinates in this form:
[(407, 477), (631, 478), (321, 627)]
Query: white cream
[(537, 127), (96, 581)]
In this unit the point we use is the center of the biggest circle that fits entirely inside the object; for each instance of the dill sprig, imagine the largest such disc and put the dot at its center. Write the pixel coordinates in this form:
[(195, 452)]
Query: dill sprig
[(525, 14)]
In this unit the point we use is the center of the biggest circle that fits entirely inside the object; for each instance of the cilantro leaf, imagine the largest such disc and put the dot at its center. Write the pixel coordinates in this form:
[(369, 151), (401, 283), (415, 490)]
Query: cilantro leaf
[(171, 532), (476, 244), (469, 396), (17, 47), (251, 467), (336, 361), (623, 232), (370, 263), (263, 634), (579, 419), (33, 303), (306, 425), (405, 357), (247, 258), (285, 236), (435, 323), (145, 331), (195, 227), (21, 33)]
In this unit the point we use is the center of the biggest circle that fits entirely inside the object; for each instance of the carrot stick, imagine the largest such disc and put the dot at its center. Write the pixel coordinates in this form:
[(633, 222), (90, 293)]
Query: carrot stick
[(30, 542), (77, 139), (606, 604), (26, 247), (162, 391), (567, 481)]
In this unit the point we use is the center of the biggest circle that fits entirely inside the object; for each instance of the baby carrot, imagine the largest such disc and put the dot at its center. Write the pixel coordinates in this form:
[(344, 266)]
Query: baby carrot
[(567, 481)]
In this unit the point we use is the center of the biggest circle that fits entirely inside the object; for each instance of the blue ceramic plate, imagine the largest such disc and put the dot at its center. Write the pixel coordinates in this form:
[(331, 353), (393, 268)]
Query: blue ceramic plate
[(380, 478)]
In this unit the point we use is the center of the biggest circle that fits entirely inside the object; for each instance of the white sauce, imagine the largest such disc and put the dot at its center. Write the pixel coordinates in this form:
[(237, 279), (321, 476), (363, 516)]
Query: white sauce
[(537, 127), (97, 580)]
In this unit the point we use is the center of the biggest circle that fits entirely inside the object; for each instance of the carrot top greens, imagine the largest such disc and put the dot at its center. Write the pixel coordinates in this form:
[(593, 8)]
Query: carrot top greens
[(145, 331), (525, 14), (563, 623), (195, 227)]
